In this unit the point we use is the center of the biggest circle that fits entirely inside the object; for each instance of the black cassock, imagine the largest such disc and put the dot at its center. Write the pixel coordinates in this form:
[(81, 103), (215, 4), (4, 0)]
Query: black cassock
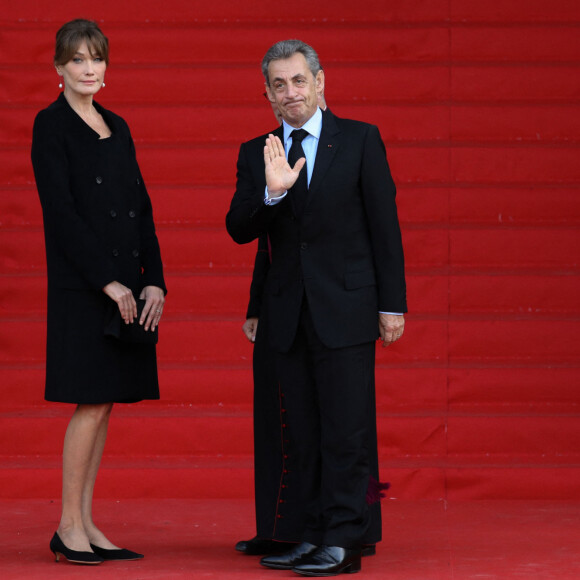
[(279, 513)]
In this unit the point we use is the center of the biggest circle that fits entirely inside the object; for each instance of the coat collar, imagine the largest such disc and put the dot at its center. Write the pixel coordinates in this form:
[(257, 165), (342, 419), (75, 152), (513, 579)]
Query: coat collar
[(109, 119)]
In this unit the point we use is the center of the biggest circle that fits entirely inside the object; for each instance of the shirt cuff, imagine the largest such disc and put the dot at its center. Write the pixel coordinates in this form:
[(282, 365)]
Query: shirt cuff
[(394, 313), (273, 200)]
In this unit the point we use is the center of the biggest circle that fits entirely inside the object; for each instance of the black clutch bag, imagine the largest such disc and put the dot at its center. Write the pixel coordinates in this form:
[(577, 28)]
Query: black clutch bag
[(115, 326)]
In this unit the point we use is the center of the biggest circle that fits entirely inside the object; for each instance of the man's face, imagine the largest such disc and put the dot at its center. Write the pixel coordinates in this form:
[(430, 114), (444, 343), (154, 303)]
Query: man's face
[(294, 89)]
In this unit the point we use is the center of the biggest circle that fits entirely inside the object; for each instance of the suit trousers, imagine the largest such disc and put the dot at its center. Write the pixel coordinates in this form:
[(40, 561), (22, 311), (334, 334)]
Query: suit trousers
[(328, 399)]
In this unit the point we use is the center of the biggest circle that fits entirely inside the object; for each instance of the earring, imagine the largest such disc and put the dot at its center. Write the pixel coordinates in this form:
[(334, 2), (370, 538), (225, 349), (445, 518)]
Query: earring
[(60, 85), (103, 84)]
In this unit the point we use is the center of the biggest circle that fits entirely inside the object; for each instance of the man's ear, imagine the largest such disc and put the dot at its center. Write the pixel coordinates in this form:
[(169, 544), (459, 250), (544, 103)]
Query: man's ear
[(320, 82)]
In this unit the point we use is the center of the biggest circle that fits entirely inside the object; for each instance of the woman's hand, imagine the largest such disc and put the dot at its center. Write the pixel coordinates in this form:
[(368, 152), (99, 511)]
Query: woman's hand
[(124, 299), (154, 299), (250, 327)]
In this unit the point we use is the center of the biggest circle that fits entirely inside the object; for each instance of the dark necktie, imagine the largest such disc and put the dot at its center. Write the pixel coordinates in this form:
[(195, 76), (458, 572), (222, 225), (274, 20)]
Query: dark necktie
[(299, 190)]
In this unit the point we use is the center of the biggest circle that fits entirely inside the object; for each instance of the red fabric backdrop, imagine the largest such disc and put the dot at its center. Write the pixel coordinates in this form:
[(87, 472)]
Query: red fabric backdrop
[(478, 105)]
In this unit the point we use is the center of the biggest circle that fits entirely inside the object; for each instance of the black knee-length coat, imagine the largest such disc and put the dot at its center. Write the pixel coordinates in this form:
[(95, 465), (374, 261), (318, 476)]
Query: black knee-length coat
[(98, 227)]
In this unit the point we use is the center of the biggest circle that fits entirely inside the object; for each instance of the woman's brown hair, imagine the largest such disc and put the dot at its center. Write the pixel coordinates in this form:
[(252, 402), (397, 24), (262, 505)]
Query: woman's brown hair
[(71, 35)]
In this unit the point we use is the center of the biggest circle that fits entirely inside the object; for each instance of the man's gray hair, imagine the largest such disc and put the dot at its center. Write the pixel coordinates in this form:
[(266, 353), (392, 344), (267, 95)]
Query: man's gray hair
[(288, 48)]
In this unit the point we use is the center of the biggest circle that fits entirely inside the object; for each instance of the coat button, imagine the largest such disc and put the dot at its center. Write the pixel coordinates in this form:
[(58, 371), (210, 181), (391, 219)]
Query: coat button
[(113, 213), (303, 246), (135, 253), (132, 214), (99, 179), (115, 252)]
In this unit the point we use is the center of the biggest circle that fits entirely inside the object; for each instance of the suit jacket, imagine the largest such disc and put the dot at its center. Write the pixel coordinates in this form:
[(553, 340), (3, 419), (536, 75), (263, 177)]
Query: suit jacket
[(98, 220), (344, 252)]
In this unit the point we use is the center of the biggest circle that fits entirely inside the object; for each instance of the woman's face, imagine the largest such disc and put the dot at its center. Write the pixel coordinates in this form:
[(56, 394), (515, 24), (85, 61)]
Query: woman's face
[(84, 73)]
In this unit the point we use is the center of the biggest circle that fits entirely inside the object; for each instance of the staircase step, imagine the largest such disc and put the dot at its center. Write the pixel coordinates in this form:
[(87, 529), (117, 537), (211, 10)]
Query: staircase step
[(475, 207), (190, 249), (209, 295), (505, 342), (421, 83), (517, 249), (420, 43), (465, 207), (206, 43), (538, 440), (473, 84), (470, 11), (226, 295), (400, 390), (152, 13), (203, 165), (462, 342), (190, 432), (532, 294), (210, 124), (516, 123), (205, 250), (507, 206), (210, 341), (538, 44), (122, 478), (526, 390), (413, 124), (542, 165), (416, 83), (232, 478)]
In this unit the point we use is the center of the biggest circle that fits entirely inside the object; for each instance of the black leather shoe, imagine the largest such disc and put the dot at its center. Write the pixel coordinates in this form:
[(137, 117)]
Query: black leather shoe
[(59, 549), (289, 559), (120, 554), (368, 550), (329, 561), (259, 547)]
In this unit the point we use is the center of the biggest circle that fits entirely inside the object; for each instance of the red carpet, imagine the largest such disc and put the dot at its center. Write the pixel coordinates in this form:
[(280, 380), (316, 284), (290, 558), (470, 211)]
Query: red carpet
[(422, 540)]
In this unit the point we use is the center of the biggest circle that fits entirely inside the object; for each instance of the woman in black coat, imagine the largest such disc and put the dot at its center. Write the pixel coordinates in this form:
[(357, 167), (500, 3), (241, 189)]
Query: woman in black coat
[(102, 256)]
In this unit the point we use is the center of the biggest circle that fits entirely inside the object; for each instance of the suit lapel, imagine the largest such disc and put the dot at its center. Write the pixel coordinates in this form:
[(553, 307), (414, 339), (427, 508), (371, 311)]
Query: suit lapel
[(328, 146)]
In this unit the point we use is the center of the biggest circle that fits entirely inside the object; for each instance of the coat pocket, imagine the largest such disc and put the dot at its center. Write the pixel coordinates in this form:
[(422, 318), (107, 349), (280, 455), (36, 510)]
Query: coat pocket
[(354, 280)]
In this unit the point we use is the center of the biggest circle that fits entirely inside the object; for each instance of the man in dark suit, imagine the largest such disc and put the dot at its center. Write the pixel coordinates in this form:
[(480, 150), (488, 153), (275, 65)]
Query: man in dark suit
[(325, 197)]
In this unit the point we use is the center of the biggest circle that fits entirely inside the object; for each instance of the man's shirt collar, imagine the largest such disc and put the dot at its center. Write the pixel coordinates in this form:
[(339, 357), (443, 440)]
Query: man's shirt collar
[(313, 126)]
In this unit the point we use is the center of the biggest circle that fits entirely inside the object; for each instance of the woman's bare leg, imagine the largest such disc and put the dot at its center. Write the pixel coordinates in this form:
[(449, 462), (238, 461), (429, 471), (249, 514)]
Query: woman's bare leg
[(80, 444), (96, 537)]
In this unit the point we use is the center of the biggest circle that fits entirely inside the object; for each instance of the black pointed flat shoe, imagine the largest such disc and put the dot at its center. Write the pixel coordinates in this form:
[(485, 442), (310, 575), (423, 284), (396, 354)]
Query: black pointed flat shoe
[(59, 549), (120, 554)]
